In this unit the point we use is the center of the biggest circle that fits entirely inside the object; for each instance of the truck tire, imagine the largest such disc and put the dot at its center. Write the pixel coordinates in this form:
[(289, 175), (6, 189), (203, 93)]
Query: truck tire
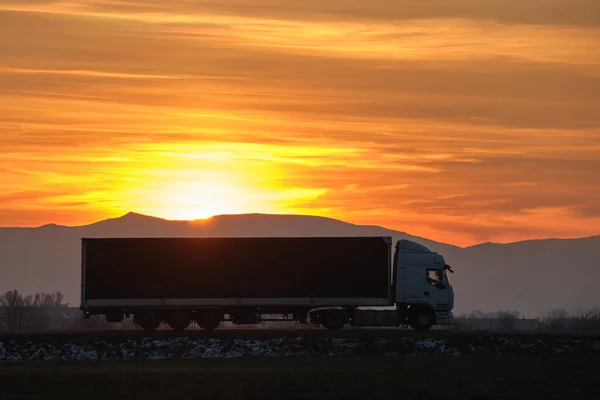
[(147, 320), (179, 320), (421, 319), (333, 320), (209, 320)]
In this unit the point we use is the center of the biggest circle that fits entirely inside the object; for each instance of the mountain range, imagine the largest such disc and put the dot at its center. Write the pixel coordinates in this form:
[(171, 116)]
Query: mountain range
[(531, 277)]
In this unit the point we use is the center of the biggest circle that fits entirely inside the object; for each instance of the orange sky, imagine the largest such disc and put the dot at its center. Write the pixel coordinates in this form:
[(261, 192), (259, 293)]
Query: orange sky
[(459, 120)]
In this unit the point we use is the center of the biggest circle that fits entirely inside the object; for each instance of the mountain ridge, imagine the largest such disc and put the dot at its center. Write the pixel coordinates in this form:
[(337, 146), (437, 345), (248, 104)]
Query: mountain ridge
[(529, 276), (144, 217)]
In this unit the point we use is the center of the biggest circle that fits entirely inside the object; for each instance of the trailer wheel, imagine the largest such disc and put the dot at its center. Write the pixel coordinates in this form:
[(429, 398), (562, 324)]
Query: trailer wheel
[(209, 320), (179, 320), (148, 320), (421, 319), (333, 320)]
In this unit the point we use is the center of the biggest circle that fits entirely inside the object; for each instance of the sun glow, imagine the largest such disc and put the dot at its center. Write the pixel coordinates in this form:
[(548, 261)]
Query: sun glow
[(199, 180), (203, 200), (200, 200), (179, 195)]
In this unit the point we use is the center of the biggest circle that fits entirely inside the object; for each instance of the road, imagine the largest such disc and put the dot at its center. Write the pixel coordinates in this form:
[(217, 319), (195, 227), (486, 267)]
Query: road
[(273, 333)]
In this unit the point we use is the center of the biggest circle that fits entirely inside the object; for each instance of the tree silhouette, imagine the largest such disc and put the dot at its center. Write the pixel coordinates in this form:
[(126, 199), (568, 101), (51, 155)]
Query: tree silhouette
[(28, 312)]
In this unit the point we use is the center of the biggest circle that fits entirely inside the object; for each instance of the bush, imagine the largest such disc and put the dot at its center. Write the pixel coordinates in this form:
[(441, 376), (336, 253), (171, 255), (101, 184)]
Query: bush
[(559, 320), (20, 312)]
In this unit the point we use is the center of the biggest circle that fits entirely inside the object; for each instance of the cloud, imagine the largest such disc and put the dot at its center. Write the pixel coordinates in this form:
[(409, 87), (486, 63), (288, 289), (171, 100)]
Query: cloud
[(450, 35), (535, 12), (414, 115), (93, 74)]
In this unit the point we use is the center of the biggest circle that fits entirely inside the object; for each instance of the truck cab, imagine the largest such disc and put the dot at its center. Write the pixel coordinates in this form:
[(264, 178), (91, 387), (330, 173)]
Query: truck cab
[(419, 291), (422, 289)]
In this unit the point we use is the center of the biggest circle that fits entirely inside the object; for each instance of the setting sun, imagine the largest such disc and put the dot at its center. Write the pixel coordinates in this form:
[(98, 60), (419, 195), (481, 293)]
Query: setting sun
[(201, 200), (189, 201)]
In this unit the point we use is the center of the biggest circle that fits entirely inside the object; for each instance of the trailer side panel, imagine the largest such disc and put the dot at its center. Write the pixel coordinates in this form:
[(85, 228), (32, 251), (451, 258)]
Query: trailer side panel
[(233, 268)]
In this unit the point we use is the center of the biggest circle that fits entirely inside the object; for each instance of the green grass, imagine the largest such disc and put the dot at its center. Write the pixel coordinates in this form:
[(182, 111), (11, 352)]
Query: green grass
[(306, 378)]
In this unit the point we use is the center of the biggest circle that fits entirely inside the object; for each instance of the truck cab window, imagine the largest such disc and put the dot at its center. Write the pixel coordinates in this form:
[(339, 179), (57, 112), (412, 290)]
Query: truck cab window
[(435, 277)]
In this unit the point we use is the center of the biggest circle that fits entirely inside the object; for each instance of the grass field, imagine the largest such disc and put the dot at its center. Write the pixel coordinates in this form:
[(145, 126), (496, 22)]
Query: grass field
[(306, 378)]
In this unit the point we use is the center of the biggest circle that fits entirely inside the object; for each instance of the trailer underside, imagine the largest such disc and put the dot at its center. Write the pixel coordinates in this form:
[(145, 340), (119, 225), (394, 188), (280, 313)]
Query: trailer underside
[(209, 318)]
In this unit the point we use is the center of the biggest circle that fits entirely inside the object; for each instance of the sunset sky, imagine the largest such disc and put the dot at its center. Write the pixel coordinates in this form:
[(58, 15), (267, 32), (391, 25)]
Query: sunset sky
[(460, 120)]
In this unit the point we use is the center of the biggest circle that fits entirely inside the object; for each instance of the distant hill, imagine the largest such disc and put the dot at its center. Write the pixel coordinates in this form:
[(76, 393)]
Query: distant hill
[(529, 276)]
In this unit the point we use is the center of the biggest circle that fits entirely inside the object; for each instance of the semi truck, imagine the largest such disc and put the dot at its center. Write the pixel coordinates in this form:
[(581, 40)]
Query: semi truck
[(331, 282)]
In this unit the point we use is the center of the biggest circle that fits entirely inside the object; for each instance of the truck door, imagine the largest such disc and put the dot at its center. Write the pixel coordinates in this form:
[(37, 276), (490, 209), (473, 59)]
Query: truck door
[(437, 289)]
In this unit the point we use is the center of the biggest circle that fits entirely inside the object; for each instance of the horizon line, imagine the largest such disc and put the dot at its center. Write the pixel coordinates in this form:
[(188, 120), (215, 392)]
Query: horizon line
[(208, 219)]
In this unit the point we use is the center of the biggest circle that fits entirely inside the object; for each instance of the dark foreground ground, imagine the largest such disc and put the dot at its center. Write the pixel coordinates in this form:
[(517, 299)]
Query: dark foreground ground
[(465, 377), (124, 345)]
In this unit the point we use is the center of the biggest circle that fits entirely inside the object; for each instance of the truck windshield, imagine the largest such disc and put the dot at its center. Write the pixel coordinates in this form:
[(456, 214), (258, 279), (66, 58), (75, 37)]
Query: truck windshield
[(446, 278)]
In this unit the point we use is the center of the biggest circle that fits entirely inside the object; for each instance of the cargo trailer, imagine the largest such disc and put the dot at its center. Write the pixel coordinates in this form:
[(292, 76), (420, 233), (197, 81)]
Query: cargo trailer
[(327, 281)]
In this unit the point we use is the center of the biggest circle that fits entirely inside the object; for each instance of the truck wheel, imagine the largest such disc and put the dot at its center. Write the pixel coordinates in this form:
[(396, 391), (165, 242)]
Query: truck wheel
[(421, 319), (179, 320), (333, 320), (148, 320), (209, 320)]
